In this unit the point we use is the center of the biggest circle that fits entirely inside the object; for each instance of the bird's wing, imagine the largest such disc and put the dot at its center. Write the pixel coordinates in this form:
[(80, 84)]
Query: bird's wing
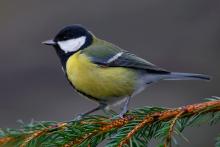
[(107, 54)]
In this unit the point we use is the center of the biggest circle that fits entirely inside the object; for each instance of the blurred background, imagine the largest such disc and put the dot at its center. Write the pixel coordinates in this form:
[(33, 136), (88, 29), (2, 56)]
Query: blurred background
[(175, 34)]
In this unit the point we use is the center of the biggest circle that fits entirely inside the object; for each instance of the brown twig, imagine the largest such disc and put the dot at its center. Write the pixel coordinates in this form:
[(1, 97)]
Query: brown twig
[(5, 140), (105, 128), (39, 133), (172, 113), (172, 124)]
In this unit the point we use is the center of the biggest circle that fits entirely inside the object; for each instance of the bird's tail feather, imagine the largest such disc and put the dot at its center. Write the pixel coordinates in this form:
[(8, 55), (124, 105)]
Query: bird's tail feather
[(186, 76)]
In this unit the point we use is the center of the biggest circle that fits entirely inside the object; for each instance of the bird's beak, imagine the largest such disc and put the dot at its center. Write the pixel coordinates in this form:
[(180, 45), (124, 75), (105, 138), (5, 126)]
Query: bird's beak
[(49, 42)]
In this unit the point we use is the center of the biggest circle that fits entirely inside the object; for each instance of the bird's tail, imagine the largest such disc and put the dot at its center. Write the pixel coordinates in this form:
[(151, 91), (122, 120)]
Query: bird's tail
[(186, 76)]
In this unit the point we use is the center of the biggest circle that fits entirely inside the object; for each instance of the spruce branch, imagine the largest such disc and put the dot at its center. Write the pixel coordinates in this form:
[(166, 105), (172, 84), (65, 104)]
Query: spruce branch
[(184, 111), (217, 141), (172, 125), (137, 128)]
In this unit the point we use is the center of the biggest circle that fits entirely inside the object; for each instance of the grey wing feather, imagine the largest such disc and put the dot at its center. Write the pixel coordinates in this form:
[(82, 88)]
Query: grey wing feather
[(103, 53), (130, 60)]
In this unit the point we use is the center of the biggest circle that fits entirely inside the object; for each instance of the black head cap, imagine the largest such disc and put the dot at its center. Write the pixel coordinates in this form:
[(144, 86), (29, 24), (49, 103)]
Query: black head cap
[(72, 32)]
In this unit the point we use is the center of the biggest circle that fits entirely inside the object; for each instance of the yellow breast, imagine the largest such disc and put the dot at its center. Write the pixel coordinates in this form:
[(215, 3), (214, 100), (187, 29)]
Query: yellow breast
[(99, 82)]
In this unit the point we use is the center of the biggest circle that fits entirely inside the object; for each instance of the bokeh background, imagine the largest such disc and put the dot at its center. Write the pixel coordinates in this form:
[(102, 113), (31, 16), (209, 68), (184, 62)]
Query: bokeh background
[(178, 35)]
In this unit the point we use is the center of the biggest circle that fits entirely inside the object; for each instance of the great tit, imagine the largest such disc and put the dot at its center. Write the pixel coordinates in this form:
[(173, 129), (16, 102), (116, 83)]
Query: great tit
[(105, 73)]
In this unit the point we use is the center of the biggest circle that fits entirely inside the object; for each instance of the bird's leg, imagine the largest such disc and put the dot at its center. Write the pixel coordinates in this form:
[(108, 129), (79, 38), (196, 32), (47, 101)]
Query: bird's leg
[(109, 112), (124, 108), (100, 107)]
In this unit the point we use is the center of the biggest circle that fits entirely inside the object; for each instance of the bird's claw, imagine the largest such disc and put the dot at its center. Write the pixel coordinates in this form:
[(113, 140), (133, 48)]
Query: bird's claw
[(78, 117), (120, 115)]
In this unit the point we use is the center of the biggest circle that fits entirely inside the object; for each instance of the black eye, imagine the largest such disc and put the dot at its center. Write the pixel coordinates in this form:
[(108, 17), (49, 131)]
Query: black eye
[(67, 36)]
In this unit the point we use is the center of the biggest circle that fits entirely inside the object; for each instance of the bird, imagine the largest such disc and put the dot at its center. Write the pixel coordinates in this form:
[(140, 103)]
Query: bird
[(104, 72)]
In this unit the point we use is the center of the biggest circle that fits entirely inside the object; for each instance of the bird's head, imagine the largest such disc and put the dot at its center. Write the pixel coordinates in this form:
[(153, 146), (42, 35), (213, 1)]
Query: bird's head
[(70, 39)]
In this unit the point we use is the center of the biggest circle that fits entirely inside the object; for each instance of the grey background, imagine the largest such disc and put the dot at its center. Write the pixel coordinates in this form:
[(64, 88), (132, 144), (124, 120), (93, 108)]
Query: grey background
[(178, 35)]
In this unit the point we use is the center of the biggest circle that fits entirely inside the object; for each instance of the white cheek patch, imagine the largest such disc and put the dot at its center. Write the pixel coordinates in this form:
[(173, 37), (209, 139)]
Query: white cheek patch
[(72, 45)]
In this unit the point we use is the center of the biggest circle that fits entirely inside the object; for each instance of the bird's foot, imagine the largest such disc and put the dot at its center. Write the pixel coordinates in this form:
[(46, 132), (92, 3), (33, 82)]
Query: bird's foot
[(109, 112), (77, 118), (120, 115)]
